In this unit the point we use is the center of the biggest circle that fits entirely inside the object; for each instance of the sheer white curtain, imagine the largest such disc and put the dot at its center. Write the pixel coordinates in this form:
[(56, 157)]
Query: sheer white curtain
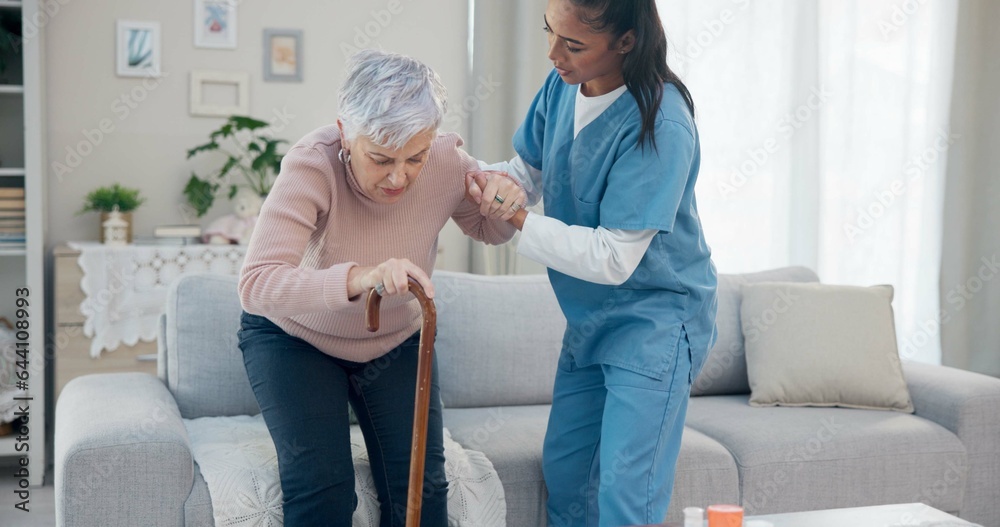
[(824, 129), (970, 279), (508, 66)]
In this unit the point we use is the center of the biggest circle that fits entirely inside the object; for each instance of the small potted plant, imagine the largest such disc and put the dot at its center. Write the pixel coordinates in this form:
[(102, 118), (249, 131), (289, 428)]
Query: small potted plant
[(250, 153), (107, 199)]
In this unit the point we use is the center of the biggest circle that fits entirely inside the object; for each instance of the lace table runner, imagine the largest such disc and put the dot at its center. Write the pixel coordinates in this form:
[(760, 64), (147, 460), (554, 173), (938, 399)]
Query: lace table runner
[(240, 465), (126, 287)]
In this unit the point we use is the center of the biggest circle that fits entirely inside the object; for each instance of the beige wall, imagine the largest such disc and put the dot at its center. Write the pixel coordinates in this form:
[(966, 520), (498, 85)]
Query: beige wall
[(970, 287), (148, 139)]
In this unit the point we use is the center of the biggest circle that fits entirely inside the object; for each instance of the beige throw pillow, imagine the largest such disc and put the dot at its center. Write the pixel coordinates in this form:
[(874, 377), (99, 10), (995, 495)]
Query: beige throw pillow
[(822, 345)]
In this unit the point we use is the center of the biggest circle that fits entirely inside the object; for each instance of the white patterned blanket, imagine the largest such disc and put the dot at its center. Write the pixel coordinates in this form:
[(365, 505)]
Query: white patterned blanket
[(240, 465)]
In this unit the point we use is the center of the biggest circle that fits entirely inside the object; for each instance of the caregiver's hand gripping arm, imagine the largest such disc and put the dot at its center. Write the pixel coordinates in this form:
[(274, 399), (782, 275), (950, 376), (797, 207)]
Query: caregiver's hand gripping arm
[(599, 255)]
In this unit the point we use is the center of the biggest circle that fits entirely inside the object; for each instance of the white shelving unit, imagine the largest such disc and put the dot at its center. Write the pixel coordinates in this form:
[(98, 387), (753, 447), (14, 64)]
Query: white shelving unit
[(25, 268)]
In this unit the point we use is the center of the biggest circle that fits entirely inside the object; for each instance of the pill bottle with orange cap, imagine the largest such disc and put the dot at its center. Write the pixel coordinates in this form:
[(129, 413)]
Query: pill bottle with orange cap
[(725, 516)]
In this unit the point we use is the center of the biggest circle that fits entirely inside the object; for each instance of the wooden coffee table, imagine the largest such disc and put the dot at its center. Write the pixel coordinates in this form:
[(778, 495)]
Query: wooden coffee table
[(879, 516)]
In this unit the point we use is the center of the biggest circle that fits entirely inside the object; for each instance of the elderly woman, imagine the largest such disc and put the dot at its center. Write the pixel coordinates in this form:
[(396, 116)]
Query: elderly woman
[(357, 205)]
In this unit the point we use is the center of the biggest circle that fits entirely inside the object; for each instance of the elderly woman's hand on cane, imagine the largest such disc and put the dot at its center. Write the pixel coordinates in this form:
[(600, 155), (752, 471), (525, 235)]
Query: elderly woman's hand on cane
[(387, 278)]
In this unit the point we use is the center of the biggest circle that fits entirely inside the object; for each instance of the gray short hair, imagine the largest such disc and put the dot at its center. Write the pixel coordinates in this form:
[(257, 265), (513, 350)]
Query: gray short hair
[(390, 98)]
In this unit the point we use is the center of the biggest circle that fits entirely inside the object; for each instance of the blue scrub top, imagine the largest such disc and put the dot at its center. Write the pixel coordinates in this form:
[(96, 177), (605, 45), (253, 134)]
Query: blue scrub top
[(604, 178)]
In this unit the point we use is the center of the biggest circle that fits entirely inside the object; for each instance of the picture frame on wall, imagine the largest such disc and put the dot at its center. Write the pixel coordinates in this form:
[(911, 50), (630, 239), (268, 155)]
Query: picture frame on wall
[(137, 48), (215, 24), (234, 83), (282, 55)]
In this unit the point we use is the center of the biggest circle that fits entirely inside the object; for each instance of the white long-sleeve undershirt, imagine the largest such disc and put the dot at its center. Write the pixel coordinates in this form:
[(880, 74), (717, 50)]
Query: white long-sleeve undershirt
[(602, 256)]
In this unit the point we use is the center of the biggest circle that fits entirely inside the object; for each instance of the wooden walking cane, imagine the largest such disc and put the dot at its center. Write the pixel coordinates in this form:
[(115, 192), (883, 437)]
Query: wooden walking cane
[(421, 406)]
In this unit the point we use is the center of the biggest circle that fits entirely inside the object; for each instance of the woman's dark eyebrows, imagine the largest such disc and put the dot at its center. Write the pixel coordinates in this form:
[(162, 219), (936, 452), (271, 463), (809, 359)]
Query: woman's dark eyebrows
[(567, 39)]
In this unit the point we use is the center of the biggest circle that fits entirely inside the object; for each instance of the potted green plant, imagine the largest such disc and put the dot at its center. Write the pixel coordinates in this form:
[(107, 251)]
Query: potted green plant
[(250, 153), (107, 199)]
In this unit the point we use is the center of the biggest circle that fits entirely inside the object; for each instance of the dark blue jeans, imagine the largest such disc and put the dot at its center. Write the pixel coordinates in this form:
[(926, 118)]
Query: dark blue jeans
[(303, 395)]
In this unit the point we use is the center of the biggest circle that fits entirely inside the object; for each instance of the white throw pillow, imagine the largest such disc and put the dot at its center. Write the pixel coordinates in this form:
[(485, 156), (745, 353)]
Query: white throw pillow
[(822, 345)]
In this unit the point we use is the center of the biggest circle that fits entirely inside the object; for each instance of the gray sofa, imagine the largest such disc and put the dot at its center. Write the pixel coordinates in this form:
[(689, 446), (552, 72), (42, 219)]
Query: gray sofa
[(122, 456)]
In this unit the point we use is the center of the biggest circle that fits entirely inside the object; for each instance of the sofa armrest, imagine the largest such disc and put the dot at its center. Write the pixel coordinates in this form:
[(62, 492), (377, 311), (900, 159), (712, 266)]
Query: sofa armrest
[(967, 404), (122, 454)]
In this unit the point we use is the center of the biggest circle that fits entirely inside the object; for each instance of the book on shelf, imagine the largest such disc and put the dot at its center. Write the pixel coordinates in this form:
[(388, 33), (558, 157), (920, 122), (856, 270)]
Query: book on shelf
[(177, 231), (12, 204), (4, 230), (14, 214), (11, 192)]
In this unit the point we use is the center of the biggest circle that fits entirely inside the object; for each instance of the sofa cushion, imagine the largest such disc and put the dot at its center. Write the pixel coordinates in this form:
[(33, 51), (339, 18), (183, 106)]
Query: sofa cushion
[(198, 358), (498, 339), (795, 459), (198, 507), (512, 437), (822, 345), (725, 369)]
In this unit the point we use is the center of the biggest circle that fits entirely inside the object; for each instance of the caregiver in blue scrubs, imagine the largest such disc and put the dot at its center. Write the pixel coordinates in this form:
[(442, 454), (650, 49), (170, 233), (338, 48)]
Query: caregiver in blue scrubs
[(610, 143)]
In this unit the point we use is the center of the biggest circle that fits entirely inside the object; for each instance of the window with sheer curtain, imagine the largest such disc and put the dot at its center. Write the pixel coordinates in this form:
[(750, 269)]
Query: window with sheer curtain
[(824, 132)]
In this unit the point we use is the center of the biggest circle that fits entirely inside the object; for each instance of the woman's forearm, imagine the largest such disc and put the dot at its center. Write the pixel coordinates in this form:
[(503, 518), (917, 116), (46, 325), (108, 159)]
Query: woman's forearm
[(602, 256), (517, 220)]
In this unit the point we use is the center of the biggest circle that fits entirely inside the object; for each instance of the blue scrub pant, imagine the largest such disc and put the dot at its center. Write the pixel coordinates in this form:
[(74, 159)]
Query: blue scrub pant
[(303, 395), (612, 442)]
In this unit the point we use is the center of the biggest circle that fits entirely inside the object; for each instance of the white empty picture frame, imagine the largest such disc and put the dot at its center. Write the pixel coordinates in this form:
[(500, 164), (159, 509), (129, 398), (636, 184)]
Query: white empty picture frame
[(215, 24), (240, 80), (283, 55), (137, 49)]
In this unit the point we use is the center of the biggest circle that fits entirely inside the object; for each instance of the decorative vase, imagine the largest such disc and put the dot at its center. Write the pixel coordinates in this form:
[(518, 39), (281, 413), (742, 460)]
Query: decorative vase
[(127, 216)]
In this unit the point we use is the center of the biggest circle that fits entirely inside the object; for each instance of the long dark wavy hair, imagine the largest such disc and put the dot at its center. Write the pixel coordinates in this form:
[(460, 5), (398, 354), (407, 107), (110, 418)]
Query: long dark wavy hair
[(645, 68)]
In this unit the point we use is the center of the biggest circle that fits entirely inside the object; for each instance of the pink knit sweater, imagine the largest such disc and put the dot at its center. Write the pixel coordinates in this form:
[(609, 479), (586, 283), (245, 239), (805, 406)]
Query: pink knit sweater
[(316, 224)]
